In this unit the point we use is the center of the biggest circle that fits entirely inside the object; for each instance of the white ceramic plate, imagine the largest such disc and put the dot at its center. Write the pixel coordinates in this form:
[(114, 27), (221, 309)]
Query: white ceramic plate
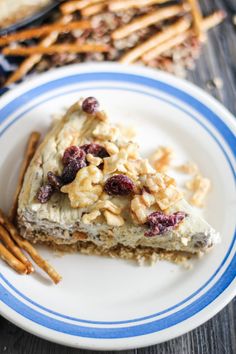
[(113, 304)]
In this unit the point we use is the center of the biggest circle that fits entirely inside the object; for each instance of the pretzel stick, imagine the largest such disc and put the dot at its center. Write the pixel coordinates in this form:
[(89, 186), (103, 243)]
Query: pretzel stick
[(38, 259), (93, 9), (41, 31), (213, 20), (170, 31), (14, 249), (163, 47), (29, 153), (24, 244), (197, 18), (147, 20), (12, 260), (207, 23), (29, 63), (72, 6), (56, 48), (118, 5)]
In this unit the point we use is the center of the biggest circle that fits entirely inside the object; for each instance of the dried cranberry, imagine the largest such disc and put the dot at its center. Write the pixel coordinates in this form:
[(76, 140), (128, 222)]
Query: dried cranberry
[(44, 193), (69, 172), (159, 222), (90, 105), (54, 180), (95, 149), (72, 153), (119, 185)]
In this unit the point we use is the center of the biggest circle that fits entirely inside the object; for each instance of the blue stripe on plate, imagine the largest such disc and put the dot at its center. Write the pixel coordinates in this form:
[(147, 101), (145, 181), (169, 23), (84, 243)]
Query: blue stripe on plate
[(172, 307), (209, 115), (124, 332)]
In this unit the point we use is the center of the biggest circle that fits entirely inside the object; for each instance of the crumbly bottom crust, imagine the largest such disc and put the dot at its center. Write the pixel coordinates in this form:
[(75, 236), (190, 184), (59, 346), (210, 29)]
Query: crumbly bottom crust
[(141, 255)]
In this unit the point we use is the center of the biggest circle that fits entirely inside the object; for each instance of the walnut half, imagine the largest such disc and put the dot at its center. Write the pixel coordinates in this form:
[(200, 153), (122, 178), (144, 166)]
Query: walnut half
[(85, 189)]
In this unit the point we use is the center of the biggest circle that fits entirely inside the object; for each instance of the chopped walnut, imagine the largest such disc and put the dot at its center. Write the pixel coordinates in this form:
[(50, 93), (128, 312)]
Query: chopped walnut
[(112, 219), (107, 205), (115, 162), (139, 209), (132, 169), (145, 167), (148, 199), (128, 132), (104, 131), (85, 189), (200, 187), (161, 159), (158, 181), (90, 217), (190, 168), (168, 197), (111, 148), (96, 161), (110, 211), (132, 150), (124, 160), (163, 189), (139, 206)]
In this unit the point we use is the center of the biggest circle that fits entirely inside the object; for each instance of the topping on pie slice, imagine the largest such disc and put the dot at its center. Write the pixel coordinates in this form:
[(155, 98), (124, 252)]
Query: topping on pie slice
[(87, 186)]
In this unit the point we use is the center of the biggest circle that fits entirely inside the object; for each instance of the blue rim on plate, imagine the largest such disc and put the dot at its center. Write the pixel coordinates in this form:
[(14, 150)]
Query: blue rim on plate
[(155, 324)]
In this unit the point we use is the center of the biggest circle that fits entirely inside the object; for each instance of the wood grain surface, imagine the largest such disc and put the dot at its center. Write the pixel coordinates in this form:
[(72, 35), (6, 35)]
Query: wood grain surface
[(218, 335)]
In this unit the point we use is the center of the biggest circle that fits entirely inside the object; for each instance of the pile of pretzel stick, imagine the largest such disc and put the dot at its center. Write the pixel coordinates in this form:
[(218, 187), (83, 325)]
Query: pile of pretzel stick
[(13, 247), (158, 33)]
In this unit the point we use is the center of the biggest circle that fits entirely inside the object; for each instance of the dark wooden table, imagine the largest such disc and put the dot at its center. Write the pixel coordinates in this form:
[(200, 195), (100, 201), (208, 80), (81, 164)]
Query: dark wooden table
[(217, 336)]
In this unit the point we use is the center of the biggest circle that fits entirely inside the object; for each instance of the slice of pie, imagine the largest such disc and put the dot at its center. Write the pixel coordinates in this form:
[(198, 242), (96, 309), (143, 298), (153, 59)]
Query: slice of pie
[(88, 188)]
